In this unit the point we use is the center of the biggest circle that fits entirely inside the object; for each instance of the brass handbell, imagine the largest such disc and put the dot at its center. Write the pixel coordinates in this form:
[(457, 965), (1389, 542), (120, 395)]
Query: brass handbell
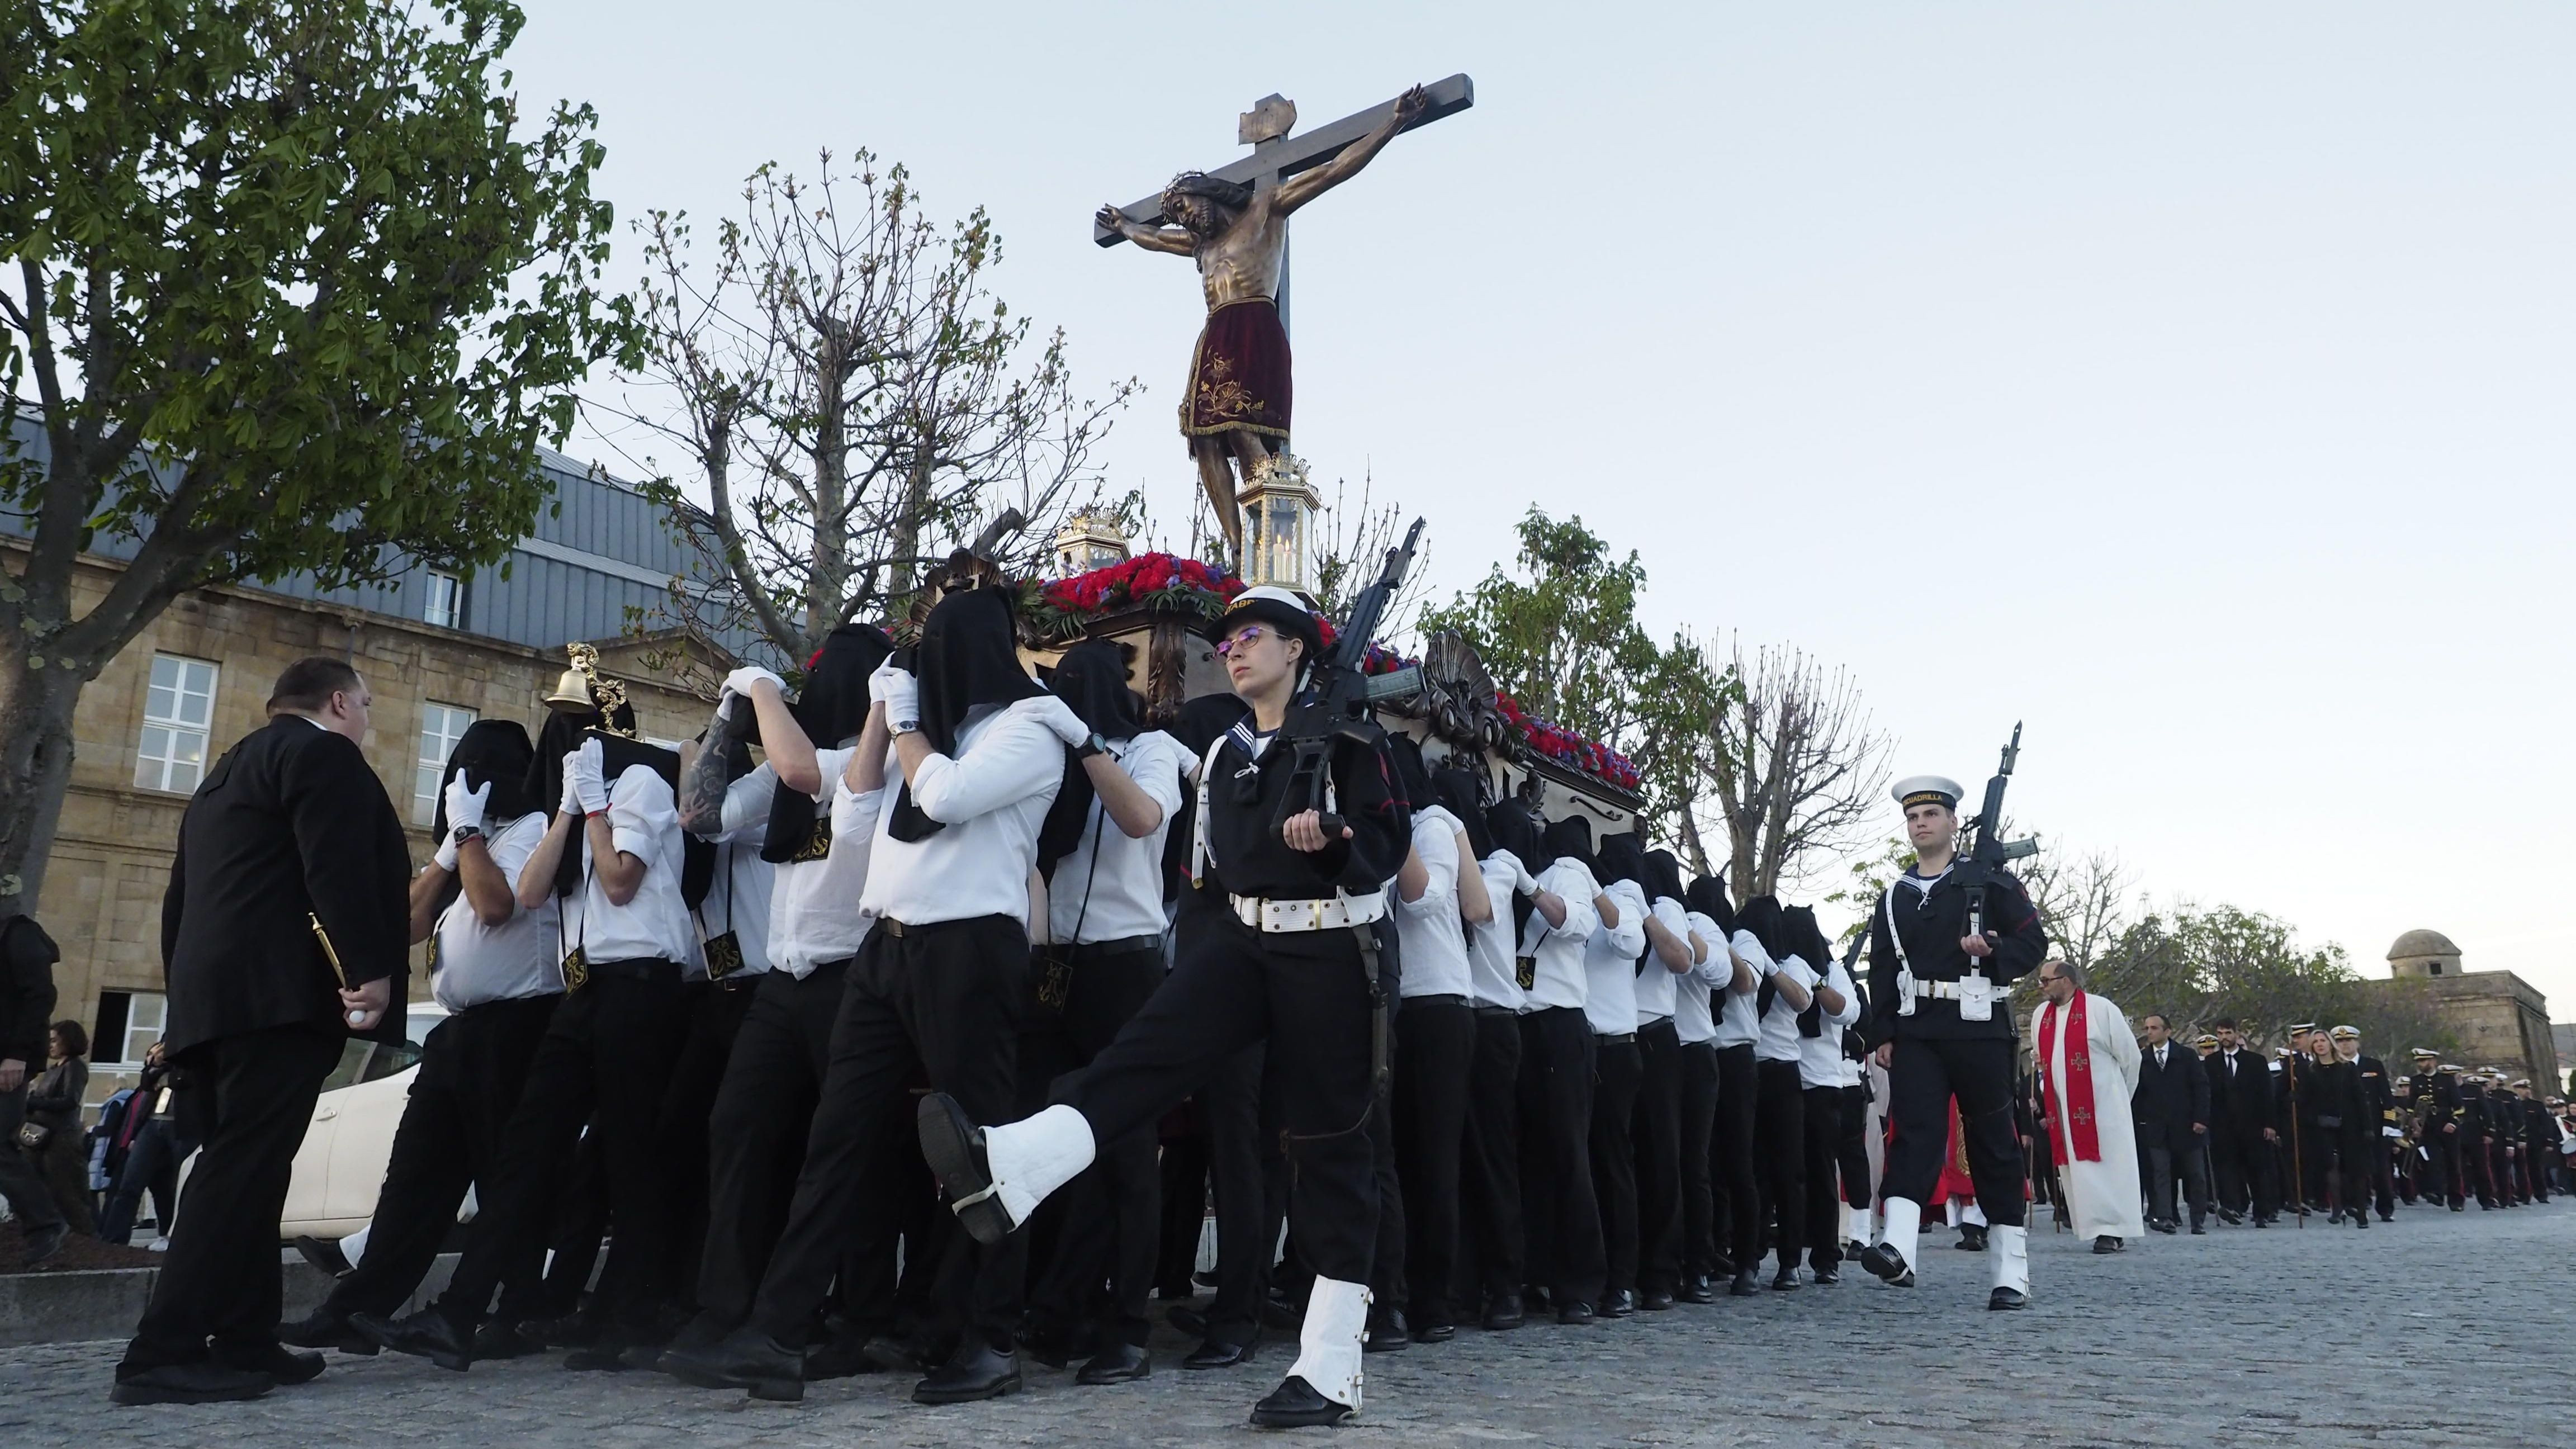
[(571, 692)]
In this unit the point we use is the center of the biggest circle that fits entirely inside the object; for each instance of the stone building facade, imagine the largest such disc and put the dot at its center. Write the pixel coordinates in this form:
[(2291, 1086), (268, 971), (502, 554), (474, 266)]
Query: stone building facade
[(437, 653), (2500, 1019)]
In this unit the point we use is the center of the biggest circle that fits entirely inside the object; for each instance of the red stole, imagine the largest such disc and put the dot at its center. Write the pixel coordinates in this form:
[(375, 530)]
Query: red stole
[(2078, 1137)]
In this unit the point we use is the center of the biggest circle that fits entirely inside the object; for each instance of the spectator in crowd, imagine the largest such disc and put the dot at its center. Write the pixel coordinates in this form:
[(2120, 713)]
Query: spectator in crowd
[(27, 957), (148, 1135), (54, 1104)]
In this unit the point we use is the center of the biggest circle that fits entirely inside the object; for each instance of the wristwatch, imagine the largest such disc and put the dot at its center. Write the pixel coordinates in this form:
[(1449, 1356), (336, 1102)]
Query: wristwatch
[(903, 727), (464, 833), (1090, 747)]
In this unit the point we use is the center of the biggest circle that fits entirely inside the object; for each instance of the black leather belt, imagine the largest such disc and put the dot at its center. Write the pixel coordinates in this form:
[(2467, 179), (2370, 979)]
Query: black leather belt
[(635, 968), (1613, 1038), (1123, 946), (1504, 1012), (1445, 998)]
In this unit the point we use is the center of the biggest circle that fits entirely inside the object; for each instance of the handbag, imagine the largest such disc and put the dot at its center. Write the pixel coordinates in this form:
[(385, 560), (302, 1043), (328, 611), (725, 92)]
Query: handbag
[(32, 1136)]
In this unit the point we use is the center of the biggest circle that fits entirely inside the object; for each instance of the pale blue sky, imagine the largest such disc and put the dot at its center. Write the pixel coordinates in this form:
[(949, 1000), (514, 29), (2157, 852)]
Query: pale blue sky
[(2191, 381)]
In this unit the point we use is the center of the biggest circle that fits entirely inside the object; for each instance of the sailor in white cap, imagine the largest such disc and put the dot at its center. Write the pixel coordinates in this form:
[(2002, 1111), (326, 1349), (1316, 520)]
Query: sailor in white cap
[(2382, 1133), (1941, 1029)]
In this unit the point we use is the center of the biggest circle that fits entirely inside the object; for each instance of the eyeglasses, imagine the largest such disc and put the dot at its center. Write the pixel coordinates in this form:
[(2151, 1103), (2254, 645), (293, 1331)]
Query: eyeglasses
[(1245, 635)]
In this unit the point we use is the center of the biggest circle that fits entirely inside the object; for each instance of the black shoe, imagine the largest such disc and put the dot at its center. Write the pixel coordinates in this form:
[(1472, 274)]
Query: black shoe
[(1386, 1332), (2231, 1219), (1576, 1313), (323, 1328), (1852, 1251), (1280, 1311), (2005, 1299), (1055, 1348), (2361, 1220), (2388, 1217), (1188, 1320), (427, 1334), (1786, 1279), (842, 1355), (322, 1255), (1296, 1405), (898, 1355), (1503, 1313), (190, 1383), (2267, 1222), (282, 1364), (1886, 1263), (954, 1147), (1435, 1333), (2165, 1227), (1656, 1300), (743, 1359), (1720, 1266), (977, 1370), (2104, 1244), (707, 1328), (502, 1338), (1617, 1303), (573, 1330), (1216, 1353), (2200, 1230), (1116, 1363), (606, 1355), (1696, 1288), (1971, 1239), (43, 1243), (1828, 1277), (1540, 1300), (1744, 1285)]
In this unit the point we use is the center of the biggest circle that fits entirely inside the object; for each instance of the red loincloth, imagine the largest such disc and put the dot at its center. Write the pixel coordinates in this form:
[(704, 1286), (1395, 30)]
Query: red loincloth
[(1238, 373)]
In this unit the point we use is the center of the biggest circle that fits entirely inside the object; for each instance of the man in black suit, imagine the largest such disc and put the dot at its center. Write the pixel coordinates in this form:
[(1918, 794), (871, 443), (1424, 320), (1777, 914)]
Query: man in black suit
[(2240, 1094), (2171, 1109), (291, 829), (27, 957)]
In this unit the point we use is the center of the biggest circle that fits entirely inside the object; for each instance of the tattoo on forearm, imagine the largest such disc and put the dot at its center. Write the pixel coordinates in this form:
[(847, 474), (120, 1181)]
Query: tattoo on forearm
[(702, 789)]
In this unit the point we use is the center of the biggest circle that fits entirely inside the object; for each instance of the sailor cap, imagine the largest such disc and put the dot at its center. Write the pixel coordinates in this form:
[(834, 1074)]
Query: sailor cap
[(2522, 1081), (2302, 1028), (2346, 1033), (2420, 1053), (2450, 1067), (2204, 1039), (1939, 790)]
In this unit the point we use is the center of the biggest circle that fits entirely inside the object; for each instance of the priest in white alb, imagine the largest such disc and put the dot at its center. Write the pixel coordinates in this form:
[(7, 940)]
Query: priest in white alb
[(2088, 1067)]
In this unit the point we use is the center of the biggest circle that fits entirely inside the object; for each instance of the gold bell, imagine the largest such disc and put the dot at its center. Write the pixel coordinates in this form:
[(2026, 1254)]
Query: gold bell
[(571, 692)]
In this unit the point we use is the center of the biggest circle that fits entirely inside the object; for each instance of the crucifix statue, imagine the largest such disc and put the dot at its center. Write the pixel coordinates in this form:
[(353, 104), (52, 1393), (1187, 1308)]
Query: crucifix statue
[(1234, 223)]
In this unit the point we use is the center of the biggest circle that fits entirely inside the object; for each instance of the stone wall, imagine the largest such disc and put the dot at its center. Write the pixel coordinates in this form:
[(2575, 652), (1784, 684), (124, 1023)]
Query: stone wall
[(110, 865), (2500, 1019)]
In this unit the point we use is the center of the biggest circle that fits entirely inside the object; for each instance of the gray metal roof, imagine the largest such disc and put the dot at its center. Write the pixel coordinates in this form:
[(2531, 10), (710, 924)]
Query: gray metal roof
[(606, 549)]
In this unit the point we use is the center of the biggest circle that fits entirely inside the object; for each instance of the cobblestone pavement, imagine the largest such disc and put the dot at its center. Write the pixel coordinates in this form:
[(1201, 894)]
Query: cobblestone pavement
[(2439, 1329)]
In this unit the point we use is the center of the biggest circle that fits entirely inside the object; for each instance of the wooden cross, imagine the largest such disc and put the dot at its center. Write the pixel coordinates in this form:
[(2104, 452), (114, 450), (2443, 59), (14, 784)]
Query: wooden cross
[(1276, 155)]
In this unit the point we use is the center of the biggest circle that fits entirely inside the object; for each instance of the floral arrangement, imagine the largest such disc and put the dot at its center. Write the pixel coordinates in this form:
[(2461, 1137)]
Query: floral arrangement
[(1568, 748), (1147, 581)]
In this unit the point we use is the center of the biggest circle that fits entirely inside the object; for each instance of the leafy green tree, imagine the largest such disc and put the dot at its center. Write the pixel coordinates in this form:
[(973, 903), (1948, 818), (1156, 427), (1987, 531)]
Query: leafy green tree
[(1560, 634), (2195, 965), (294, 289)]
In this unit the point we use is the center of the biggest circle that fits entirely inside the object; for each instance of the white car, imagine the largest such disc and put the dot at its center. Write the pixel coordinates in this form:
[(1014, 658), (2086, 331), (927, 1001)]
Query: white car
[(342, 1162)]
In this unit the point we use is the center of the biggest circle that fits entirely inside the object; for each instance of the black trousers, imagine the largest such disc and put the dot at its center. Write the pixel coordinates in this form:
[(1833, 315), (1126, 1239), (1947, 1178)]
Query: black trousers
[(1112, 1211), (2163, 1166), (1247, 1182), (1698, 1130), (714, 1012), (1434, 1063), (1491, 1174), (2383, 1165), (1823, 1134), (220, 1279), (1737, 1199), (942, 1000), (1922, 1077), (1306, 995), (1657, 1125), (22, 1177), (1617, 1072), (151, 1164), (1780, 1152), (1852, 1153), (1560, 1215), (473, 1068), (756, 1129), (603, 1062)]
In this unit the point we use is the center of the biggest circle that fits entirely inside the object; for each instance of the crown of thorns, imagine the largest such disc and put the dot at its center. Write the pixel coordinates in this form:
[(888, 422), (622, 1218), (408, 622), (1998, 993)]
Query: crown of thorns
[(1231, 194)]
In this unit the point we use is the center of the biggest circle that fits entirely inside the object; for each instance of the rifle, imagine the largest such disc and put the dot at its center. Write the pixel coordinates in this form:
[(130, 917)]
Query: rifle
[(1338, 703), (1986, 851)]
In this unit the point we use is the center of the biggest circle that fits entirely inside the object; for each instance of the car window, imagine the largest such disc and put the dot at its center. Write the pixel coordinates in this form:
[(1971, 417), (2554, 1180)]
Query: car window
[(367, 1061)]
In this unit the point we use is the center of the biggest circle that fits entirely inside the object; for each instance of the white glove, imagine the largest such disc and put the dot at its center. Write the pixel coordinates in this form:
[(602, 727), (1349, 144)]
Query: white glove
[(445, 856), (2391, 1132), (741, 680), (724, 705), (898, 691), (1527, 884), (465, 807), (1068, 726), (571, 802), (582, 778)]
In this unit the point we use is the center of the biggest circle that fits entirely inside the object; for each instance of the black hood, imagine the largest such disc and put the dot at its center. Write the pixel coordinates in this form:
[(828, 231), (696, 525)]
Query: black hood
[(1568, 839), (1761, 916), (494, 752), (832, 707), (968, 657), (1457, 791), (1663, 875), (1516, 830), (1804, 938), (560, 735), (617, 755), (1412, 776), (1091, 679), (1623, 857), (1707, 895)]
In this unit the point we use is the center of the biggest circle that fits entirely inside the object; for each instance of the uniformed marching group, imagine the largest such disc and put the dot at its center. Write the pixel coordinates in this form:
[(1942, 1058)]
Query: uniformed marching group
[(923, 1043)]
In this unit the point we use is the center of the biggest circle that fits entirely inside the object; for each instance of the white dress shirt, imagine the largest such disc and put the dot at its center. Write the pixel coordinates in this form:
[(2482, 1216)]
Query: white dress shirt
[(1736, 1010), (519, 957), (1658, 996), (1779, 1039), (1821, 1062), (1557, 976), (1692, 1020), (1610, 962), (814, 912), (991, 796), (1493, 976), (644, 822), (1120, 897), (1433, 935)]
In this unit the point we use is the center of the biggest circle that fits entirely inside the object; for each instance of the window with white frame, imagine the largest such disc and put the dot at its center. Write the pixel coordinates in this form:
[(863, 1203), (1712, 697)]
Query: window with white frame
[(129, 1022), (445, 604), (178, 709), (441, 726)]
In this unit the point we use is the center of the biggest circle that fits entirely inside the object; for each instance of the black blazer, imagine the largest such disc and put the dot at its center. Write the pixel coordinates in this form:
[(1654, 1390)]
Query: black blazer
[(290, 823), (2171, 1098), (2241, 1103)]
